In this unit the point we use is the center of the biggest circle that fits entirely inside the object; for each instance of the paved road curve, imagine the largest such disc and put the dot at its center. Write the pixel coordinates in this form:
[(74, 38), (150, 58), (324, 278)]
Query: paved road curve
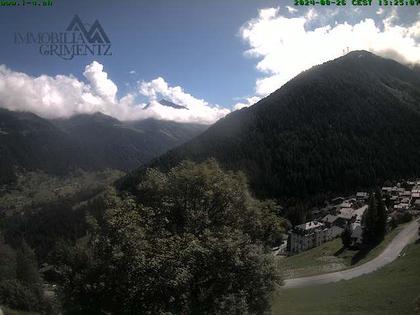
[(405, 237)]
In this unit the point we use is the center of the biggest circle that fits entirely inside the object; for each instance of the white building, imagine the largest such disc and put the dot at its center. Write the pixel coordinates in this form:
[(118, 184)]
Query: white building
[(309, 235)]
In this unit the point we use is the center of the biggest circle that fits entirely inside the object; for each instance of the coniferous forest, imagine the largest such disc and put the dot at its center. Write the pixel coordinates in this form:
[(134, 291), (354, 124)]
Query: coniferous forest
[(324, 131)]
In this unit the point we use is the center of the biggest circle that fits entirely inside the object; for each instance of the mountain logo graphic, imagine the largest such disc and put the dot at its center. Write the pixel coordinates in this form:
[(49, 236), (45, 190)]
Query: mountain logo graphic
[(78, 39), (94, 35)]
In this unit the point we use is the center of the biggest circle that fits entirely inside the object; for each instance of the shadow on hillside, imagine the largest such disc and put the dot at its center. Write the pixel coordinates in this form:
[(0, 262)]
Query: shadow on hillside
[(340, 251), (418, 241), (362, 253)]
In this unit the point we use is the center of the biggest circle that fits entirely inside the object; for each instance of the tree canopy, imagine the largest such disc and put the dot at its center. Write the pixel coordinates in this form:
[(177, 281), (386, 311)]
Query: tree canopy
[(189, 241)]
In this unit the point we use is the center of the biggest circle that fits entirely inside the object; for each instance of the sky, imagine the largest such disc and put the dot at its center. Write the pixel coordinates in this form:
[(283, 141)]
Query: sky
[(213, 57)]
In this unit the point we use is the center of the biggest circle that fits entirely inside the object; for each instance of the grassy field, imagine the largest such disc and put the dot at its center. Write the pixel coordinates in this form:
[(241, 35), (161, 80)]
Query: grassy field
[(329, 257), (390, 290)]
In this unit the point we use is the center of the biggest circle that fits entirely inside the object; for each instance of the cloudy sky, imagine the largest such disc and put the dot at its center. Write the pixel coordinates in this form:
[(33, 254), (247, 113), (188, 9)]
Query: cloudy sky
[(212, 57)]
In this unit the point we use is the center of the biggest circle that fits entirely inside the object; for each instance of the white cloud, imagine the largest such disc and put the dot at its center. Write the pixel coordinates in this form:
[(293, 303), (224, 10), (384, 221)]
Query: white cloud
[(132, 72), (197, 109), (247, 102), (268, 13), (285, 47), (291, 9), (99, 81), (311, 14), (64, 96)]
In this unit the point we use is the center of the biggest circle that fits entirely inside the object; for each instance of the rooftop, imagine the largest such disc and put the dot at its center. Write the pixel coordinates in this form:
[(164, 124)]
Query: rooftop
[(310, 225), (329, 218), (359, 212)]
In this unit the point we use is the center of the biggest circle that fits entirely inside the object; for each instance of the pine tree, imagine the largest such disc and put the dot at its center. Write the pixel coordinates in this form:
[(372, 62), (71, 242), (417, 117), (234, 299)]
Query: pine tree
[(375, 220), (369, 230), (346, 237), (381, 219)]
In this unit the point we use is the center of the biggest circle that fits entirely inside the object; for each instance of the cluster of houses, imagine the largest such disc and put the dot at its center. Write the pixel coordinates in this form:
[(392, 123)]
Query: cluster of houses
[(341, 213), (404, 196)]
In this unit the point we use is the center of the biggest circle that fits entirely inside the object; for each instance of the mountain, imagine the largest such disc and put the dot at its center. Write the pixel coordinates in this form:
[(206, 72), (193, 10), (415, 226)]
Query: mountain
[(168, 104), (125, 145), (91, 142), (347, 123), (30, 142)]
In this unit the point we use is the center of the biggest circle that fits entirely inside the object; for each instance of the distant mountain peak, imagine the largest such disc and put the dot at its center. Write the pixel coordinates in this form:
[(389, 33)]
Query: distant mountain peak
[(167, 103), (170, 104), (360, 54), (367, 57), (96, 117)]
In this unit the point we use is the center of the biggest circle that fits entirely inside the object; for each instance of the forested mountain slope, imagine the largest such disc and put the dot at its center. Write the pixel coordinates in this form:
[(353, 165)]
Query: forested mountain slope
[(90, 142), (344, 124)]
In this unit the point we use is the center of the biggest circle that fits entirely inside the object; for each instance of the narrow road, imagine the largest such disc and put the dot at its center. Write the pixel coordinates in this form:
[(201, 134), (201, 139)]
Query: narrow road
[(405, 237)]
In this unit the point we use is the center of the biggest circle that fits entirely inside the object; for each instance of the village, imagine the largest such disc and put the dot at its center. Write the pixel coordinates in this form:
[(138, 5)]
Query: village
[(402, 203)]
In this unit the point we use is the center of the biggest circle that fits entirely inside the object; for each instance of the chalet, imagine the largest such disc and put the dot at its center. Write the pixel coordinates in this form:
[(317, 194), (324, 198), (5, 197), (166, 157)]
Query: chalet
[(415, 195), (316, 213), (338, 200), (401, 206), (359, 213), (346, 214), (405, 200), (362, 196), (356, 234), (356, 227), (406, 194), (335, 231), (411, 184), (345, 204), (329, 209), (387, 190), (353, 215), (330, 220)]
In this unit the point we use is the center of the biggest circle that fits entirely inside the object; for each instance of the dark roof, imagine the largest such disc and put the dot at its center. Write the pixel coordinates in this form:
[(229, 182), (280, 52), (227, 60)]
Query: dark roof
[(336, 229), (329, 218)]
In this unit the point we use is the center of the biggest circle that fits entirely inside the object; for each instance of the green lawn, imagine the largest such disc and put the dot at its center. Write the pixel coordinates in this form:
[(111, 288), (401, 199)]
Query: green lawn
[(328, 258), (390, 290)]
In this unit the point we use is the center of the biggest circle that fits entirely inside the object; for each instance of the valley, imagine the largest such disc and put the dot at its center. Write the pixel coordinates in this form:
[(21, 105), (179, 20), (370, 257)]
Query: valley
[(185, 216)]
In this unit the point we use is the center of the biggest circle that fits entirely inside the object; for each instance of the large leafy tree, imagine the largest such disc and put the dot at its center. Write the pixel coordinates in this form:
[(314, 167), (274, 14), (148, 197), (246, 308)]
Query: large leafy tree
[(20, 282), (190, 241)]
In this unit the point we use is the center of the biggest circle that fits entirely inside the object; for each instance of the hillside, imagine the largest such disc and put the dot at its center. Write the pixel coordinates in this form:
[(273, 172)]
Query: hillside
[(90, 142), (30, 142), (347, 123), (393, 289), (125, 145)]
